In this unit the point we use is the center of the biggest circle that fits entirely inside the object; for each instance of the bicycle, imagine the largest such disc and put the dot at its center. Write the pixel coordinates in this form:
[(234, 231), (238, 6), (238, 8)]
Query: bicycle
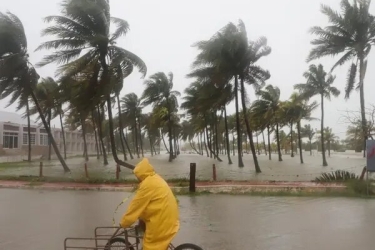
[(122, 239)]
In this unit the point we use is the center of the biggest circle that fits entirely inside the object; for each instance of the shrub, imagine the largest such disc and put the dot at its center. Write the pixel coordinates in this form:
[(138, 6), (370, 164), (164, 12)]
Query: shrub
[(337, 176)]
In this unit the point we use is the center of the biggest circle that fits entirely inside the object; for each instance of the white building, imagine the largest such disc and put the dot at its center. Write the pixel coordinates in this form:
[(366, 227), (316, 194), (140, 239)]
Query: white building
[(14, 137)]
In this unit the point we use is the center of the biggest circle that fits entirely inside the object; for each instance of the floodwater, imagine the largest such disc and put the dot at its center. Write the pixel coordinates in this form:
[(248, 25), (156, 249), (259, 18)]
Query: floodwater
[(40, 220), (289, 169)]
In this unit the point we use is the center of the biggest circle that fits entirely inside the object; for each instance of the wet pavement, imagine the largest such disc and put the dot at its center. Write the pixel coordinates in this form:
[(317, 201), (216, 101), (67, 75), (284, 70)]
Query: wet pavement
[(40, 220), (289, 169)]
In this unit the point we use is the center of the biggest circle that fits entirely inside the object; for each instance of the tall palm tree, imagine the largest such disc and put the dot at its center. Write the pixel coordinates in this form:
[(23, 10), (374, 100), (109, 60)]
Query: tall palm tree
[(268, 107), (17, 76), (351, 33), (84, 28), (318, 83), (159, 92), (308, 132)]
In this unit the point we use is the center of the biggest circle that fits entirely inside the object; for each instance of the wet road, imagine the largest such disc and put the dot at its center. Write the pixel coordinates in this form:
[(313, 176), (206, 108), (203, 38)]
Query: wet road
[(40, 220)]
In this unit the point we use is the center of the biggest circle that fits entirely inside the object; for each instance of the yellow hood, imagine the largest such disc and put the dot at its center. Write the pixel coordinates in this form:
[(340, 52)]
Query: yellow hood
[(143, 169)]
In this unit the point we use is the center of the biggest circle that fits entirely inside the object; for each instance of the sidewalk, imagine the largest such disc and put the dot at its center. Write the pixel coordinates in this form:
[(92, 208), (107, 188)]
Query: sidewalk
[(210, 187)]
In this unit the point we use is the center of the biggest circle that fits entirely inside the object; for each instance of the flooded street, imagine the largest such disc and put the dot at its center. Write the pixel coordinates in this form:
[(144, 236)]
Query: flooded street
[(289, 169), (40, 220)]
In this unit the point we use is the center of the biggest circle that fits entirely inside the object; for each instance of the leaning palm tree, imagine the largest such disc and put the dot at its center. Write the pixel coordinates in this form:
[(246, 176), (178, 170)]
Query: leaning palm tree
[(159, 92), (47, 92), (83, 38), (351, 33), (17, 76), (318, 83)]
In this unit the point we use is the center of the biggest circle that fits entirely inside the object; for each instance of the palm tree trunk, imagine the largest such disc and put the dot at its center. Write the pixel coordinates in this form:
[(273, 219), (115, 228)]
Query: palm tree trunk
[(63, 134), (249, 132), (112, 136), (199, 146), (83, 123), (47, 128), (264, 143), (362, 71), (238, 128), (127, 145), (278, 141), (209, 147), (100, 124), (165, 145), (149, 138), (170, 131), (49, 136), (28, 130), (227, 136), (329, 148), (96, 136), (299, 141), (291, 139), (135, 131), (310, 146), (234, 144), (140, 136), (216, 134), (121, 127), (258, 145), (322, 131), (205, 144), (269, 142)]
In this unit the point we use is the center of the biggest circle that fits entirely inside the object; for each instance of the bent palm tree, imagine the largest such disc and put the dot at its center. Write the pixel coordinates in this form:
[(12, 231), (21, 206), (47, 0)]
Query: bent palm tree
[(17, 76), (318, 83), (351, 33), (84, 27)]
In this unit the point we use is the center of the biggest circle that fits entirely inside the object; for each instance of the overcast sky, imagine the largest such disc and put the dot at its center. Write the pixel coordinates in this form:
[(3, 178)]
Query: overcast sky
[(162, 32)]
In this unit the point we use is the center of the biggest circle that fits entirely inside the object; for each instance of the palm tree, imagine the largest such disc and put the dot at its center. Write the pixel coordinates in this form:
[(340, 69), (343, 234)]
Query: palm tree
[(159, 92), (84, 27), (298, 109), (329, 137), (47, 94), (131, 105), (308, 132), (268, 107), (318, 83), (351, 33), (17, 76)]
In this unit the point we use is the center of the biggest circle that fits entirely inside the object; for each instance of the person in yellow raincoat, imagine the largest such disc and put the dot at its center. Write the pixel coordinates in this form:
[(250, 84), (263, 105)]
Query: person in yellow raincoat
[(156, 205)]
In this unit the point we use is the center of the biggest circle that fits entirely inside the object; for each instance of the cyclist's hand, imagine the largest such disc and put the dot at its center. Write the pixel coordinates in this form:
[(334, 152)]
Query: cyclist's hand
[(142, 225)]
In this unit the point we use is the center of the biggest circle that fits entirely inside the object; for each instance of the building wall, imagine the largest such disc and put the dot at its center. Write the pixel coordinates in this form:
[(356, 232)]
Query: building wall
[(8, 132)]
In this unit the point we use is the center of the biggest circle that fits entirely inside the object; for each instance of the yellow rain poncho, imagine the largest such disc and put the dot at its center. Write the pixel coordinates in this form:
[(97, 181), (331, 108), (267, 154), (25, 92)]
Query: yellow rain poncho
[(155, 204)]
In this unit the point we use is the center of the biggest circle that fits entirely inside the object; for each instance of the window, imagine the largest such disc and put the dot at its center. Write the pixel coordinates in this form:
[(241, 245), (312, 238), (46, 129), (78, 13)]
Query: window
[(10, 140), (43, 140), (25, 138)]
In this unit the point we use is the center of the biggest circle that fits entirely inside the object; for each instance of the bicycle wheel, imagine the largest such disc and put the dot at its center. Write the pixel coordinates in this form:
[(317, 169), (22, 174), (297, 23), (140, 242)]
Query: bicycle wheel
[(118, 243), (188, 246)]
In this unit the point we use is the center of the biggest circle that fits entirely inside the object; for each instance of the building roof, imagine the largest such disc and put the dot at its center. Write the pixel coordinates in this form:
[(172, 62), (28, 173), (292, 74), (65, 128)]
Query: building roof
[(14, 118)]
